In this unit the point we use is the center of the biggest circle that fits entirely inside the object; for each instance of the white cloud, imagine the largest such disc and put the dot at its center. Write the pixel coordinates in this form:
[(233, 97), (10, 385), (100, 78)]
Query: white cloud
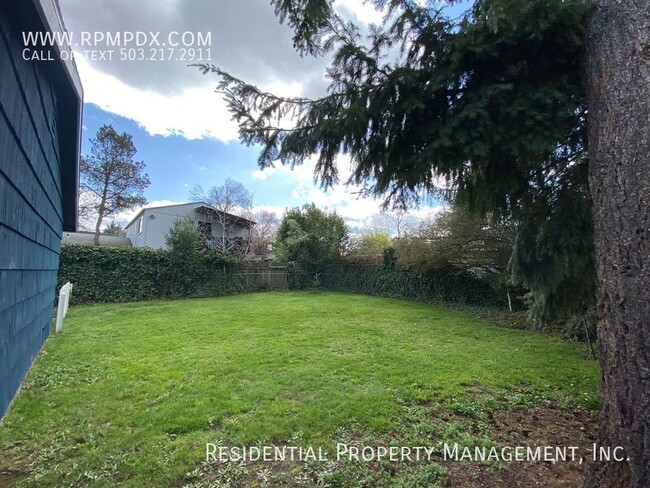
[(363, 11), (194, 113)]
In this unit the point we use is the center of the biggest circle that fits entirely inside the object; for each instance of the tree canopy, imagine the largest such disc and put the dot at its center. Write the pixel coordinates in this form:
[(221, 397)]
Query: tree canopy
[(184, 238), (110, 177), (309, 235), (233, 202), (460, 240), (492, 107), (487, 109)]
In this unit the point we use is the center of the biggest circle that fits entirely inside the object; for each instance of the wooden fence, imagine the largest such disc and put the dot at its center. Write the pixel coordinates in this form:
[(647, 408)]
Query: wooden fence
[(272, 276)]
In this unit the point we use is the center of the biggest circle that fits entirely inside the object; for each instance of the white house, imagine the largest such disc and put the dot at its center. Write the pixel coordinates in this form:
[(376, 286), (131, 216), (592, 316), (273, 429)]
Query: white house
[(151, 225)]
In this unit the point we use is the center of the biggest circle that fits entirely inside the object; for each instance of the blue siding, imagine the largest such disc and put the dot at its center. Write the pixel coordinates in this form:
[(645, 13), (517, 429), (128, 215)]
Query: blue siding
[(32, 196)]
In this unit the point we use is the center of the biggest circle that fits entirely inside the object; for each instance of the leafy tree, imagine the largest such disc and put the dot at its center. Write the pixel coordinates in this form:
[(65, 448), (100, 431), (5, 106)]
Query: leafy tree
[(115, 181), (183, 241), (368, 247), (263, 233), (397, 222), (309, 235), (461, 240), (183, 237), (114, 229), (232, 201)]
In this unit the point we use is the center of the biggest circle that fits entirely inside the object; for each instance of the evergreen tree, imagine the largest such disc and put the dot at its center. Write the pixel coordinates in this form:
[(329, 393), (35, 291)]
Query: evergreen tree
[(184, 238), (111, 177), (494, 105)]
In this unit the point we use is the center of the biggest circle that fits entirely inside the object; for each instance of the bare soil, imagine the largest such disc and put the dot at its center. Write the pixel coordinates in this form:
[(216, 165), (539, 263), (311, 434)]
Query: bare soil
[(538, 426)]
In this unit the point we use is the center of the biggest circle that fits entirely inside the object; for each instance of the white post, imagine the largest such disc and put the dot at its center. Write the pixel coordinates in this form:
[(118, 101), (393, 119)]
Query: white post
[(68, 294), (62, 309)]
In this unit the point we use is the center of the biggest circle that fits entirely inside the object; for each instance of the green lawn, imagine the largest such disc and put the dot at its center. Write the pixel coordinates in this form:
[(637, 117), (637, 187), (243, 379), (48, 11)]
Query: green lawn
[(131, 393)]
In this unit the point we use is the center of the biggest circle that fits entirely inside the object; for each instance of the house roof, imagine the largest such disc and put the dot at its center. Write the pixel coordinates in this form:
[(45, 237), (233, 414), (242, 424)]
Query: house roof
[(50, 13), (46, 14), (200, 205)]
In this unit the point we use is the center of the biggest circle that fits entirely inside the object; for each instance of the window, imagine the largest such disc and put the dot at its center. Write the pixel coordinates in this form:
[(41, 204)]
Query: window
[(140, 224)]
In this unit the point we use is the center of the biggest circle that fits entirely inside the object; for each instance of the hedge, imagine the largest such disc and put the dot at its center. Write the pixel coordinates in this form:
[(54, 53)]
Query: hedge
[(104, 274), (127, 274), (440, 286)]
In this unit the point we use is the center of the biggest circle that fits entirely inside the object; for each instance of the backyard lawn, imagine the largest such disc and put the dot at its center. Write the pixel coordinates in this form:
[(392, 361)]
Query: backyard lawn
[(131, 393)]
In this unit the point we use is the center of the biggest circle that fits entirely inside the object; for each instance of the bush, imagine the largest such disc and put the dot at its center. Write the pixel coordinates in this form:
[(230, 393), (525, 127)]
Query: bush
[(103, 274), (434, 286)]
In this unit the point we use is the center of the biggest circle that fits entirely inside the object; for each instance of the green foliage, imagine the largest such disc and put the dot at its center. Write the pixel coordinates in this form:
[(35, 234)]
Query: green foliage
[(554, 258), (485, 101), (492, 103), (434, 286), (309, 235), (456, 238), (184, 237), (111, 179), (125, 274), (389, 258), (368, 248)]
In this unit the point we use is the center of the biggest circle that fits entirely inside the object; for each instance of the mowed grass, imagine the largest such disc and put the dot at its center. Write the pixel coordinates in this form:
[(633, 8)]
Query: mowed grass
[(130, 393)]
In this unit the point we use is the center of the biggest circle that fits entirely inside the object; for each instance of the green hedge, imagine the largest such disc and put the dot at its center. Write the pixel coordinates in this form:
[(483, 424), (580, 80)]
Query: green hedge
[(103, 274), (442, 286)]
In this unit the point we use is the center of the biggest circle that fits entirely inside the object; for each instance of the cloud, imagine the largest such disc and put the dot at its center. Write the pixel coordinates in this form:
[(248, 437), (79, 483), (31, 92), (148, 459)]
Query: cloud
[(360, 11), (355, 209), (168, 97), (246, 39), (193, 114)]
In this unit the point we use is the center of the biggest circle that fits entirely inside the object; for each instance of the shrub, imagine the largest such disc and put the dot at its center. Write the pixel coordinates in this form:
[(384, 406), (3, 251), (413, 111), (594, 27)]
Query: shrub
[(103, 274), (437, 286)]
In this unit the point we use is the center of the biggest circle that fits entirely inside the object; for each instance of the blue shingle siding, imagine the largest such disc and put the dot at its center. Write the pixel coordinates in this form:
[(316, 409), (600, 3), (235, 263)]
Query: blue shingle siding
[(39, 140)]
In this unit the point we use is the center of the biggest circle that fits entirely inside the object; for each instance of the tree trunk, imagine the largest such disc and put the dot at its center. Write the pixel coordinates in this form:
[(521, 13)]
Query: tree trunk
[(98, 225), (618, 97)]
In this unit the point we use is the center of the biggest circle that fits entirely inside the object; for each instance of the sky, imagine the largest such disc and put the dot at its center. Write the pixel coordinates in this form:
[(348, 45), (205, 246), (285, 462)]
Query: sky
[(180, 125)]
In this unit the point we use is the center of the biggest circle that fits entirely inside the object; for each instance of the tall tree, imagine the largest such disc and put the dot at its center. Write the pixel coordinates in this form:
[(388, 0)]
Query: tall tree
[(494, 104), (458, 239), (368, 247), (618, 95), (263, 232), (232, 201), (309, 235), (396, 222), (115, 181)]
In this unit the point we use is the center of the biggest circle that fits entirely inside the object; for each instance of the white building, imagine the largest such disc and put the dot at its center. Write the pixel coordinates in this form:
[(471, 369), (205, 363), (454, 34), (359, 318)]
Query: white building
[(151, 225)]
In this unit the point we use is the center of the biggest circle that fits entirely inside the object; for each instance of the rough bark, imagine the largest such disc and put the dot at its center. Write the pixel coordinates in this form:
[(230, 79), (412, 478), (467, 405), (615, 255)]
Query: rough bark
[(618, 95)]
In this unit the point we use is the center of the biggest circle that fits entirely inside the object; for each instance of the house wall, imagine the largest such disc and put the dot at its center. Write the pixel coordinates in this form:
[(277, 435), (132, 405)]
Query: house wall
[(155, 229), (39, 143)]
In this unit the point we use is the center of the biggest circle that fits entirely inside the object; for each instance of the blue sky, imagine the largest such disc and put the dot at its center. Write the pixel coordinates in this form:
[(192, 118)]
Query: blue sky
[(180, 126)]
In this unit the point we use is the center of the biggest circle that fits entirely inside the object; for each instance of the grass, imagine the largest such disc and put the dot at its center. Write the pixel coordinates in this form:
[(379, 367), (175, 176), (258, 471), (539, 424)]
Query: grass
[(130, 393)]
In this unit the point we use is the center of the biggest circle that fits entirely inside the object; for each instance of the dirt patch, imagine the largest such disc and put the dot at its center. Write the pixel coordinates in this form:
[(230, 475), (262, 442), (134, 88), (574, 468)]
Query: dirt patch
[(8, 478), (539, 426)]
